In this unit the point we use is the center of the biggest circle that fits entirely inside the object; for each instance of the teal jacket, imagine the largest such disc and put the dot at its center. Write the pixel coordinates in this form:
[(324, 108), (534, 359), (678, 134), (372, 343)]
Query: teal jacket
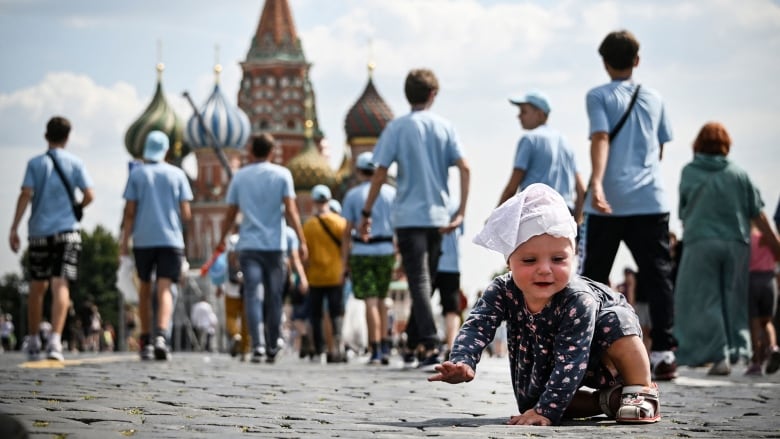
[(717, 200)]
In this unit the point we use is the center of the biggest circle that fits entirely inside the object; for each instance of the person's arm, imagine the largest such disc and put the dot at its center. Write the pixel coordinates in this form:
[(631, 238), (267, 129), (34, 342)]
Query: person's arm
[(768, 234), (297, 266), (186, 212), (346, 245), (21, 206), (128, 220), (227, 226), (294, 221), (579, 202), (515, 180), (599, 152), (465, 180), (376, 183), (89, 196)]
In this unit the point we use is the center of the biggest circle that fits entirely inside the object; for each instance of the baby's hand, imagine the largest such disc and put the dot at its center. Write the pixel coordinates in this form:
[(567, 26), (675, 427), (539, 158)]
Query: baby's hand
[(529, 417), (452, 373)]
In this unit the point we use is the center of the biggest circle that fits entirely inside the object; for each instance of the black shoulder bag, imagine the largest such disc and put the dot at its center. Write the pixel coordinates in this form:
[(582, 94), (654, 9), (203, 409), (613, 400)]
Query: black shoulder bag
[(329, 232), (622, 120), (78, 209)]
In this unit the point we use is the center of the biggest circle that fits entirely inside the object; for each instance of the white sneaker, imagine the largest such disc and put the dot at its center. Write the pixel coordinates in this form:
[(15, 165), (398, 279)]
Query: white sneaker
[(161, 350), (54, 352), (32, 347)]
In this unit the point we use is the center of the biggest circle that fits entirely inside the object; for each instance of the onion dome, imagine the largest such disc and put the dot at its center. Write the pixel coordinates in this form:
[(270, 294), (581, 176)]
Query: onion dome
[(159, 115), (369, 115), (228, 123), (309, 168)]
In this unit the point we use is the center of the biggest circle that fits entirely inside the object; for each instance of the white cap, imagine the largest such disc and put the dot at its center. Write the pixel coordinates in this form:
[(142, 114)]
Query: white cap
[(537, 210)]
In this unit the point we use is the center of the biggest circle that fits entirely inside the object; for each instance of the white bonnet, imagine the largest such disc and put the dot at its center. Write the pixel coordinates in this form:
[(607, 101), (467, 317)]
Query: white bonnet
[(536, 210)]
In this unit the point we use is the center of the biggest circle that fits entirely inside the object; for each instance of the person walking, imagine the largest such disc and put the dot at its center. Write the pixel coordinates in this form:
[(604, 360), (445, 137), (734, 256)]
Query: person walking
[(626, 200), (157, 203), (447, 281), (262, 242), (717, 204), (53, 233), (544, 155), (325, 272), (424, 146), (230, 283), (370, 263)]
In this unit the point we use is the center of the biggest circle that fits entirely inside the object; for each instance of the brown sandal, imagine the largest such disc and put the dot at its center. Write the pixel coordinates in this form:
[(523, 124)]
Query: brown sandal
[(639, 405)]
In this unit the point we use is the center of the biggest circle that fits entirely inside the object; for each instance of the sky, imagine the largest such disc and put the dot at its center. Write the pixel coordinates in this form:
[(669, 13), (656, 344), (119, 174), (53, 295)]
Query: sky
[(94, 62)]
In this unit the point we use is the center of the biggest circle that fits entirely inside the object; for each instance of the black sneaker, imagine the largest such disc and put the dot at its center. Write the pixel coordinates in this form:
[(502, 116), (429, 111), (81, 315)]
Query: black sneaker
[(774, 361), (161, 350), (146, 352), (429, 361), (257, 354), (410, 360)]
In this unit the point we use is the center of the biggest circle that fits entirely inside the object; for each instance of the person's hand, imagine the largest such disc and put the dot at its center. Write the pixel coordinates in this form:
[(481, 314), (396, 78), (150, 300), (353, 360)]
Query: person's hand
[(364, 229), (599, 200), (452, 373), (220, 248), (13, 240), (529, 417), (303, 285), (457, 220)]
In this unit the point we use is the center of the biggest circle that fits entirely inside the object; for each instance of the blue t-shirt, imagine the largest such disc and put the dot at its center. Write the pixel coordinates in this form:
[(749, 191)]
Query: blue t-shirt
[(425, 146), (380, 218), (546, 157), (259, 191), (632, 178), (52, 212), (158, 190), (293, 243), (449, 261)]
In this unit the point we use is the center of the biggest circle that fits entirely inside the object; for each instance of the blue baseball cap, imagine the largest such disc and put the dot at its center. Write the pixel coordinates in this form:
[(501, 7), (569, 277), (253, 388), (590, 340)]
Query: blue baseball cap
[(320, 193), (535, 98), (156, 146)]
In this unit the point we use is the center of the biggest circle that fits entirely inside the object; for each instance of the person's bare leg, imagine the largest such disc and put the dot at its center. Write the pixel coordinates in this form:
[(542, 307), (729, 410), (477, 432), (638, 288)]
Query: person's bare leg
[(164, 303), (373, 320), (35, 305), (60, 294), (629, 356), (451, 327), (145, 307)]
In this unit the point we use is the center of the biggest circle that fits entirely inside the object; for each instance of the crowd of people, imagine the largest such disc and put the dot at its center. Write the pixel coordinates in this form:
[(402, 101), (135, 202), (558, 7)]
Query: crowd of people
[(576, 346)]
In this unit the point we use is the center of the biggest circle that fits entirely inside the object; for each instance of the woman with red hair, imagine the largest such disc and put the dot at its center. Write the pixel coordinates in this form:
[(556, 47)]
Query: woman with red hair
[(717, 204)]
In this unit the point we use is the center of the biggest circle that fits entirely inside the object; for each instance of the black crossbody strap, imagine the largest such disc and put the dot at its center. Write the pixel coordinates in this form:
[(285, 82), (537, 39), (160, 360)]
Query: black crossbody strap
[(622, 120), (62, 177), (329, 232)]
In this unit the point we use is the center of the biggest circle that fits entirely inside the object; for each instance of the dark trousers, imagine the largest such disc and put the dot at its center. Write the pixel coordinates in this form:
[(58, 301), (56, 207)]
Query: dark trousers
[(647, 237), (334, 295), (420, 248)]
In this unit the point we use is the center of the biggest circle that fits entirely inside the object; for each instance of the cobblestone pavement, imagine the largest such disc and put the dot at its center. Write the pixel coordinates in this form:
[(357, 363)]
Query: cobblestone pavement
[(213, 395)]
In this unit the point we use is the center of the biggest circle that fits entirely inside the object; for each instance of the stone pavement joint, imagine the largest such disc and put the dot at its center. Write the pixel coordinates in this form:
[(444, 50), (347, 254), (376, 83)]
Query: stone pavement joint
[(214, 395)]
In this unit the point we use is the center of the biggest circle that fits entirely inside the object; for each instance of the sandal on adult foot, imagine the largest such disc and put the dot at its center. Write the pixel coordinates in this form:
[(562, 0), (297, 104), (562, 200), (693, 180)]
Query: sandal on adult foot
[(639, 405)]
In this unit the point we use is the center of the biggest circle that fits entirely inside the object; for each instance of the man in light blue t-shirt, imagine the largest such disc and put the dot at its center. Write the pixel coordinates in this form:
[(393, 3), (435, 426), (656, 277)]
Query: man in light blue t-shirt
[(265, 195), (626, 200), (53, 233), (424, 146), (370, 263), (543, 155), (157, 203)]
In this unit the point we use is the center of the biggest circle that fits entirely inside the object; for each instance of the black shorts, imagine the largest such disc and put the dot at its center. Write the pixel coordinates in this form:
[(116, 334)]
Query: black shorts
[(448, 285), (55, 256), (166, 260)]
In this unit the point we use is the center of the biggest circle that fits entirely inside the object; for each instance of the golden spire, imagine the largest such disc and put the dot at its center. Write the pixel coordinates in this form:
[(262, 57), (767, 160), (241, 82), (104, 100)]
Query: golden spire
[(160, 66), (217, 65)]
